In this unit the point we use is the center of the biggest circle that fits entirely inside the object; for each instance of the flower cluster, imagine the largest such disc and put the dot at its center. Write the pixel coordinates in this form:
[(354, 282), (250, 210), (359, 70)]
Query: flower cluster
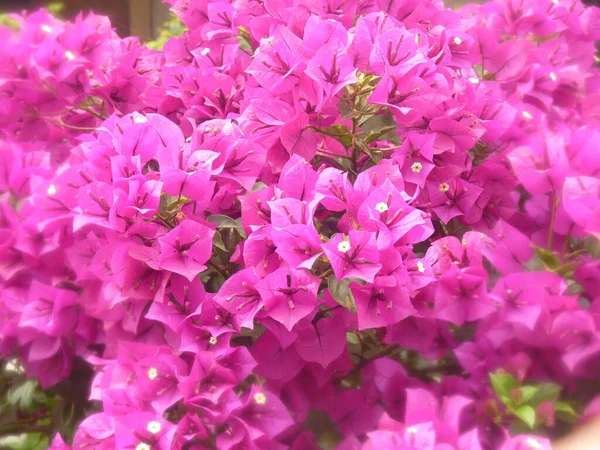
[(363, 224)]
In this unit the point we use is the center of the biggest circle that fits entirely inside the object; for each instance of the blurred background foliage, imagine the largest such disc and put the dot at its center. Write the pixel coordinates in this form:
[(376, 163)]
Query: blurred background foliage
[(172, 27), (29, 415), (149, 19)]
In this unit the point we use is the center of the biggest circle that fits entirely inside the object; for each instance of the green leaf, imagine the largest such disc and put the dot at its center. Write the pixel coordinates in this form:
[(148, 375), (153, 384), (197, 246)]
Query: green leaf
[(526, 414), (592, 245), (546, 392), (535, 38), (549, 259), (528, 392), (352, 339), (218, 242), (478, 70), (168, 204), (55, 8), (223, 221), (355, 101), (481, 73), (565, 412), (9, 22), (378, 135), (13, 441), (341, 293), (35, 441), (567, 270), (245, 40), (503, 383), (22, 395), (385, 122), (340, 133), (258, 186)]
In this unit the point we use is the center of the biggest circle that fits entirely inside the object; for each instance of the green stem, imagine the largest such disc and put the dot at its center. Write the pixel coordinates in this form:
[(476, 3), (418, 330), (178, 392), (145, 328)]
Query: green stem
[(221, 270), (552, 220), (92, 112), (332, 154), (381, 353), (66, 125)]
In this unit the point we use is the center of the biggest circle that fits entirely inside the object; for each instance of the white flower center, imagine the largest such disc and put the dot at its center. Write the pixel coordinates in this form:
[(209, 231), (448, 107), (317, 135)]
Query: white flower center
[(14, 366), (552, 76), (416, 167), (474, 80), (411, 430), (556, 2), (46, 28), (457, 40), (140, 119), (142, 446), (381, 207), (527, 115), (260, 398), (154, 427), (69, 55), (444, 187), (51, 189), (420, 267), (212, 340), (344, 246), (205, 51), (152, 373), (532, 443)]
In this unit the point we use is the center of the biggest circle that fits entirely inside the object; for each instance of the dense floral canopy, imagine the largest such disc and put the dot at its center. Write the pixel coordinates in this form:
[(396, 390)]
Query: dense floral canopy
[(351, 224)]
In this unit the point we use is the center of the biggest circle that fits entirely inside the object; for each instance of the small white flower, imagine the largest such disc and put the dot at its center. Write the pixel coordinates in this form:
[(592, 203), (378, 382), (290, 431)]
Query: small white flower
[(152, 373), (260, 398), (154, 427), (457, 40), (13, 366), (416, 167), (142, 446), (532, 443), (420, 267), (212, 340), (474, 80), (344, 246), (381, 207), (46, 28), (552, 76), (444, 187), (411, 430), (205, 51), (51, 189), (69, 55), (527, 115)]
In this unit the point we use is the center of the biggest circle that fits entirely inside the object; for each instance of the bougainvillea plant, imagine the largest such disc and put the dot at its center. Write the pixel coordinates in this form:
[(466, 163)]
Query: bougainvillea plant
[(358, 224)]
